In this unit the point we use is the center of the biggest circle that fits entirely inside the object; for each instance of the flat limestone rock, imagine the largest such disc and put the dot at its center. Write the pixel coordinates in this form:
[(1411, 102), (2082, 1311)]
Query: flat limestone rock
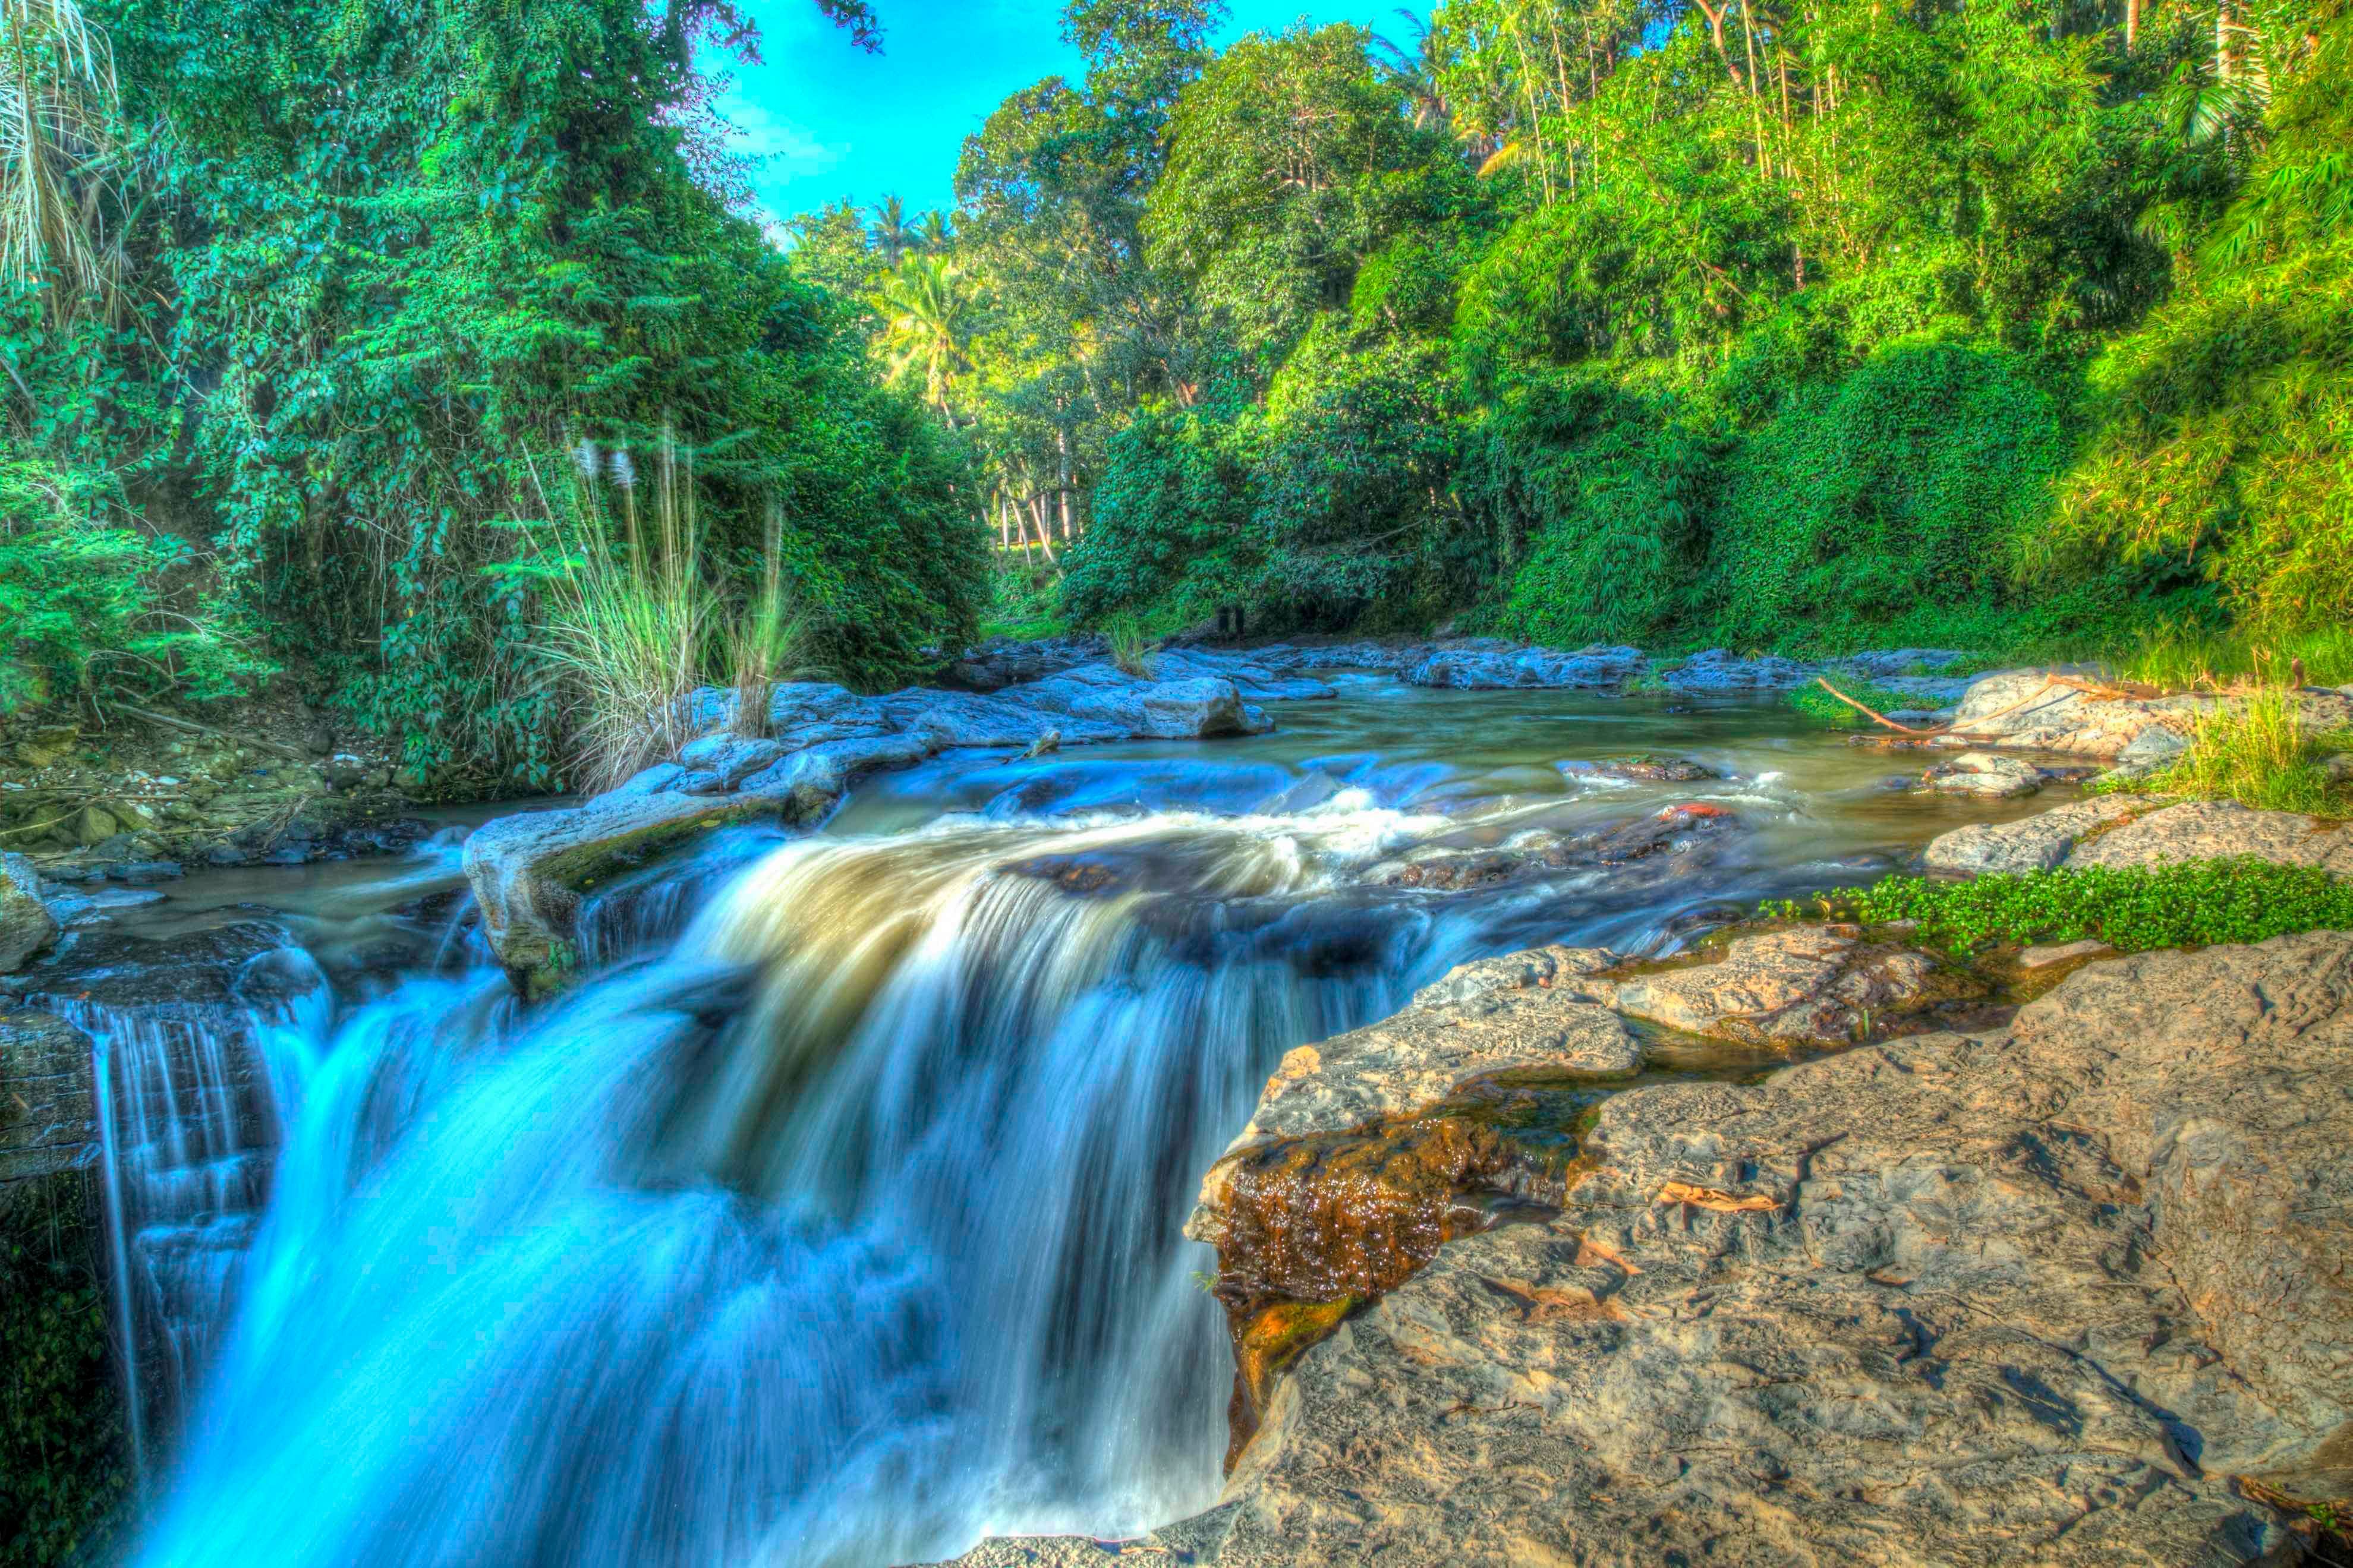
[(2034, 1296), (528, 870), (2218, 829), (1499, 1013), (2026, 709), (1802, 985), (2039, 843)]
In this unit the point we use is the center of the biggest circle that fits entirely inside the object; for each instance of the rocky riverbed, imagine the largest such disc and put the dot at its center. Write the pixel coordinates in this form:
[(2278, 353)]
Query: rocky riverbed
[(796, 760), (2066, 1291), (1801, 1244)]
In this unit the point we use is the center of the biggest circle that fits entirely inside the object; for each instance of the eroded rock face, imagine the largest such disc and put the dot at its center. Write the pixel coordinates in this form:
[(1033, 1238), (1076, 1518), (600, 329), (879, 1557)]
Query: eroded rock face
[(1806, 986), (1341, 1187), (48, 1113), (27, 926), (2035, 1296)]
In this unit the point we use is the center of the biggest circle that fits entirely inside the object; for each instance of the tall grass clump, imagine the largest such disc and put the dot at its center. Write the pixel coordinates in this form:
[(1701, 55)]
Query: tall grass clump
[(2180, 655), (626, 621), (771, 638), (1130, 645), (2256, 748)]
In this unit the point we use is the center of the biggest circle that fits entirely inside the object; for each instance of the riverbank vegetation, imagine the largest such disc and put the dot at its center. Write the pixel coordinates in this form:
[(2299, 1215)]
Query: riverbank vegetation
[(1791, 328), (2133, 908), (304, 308)]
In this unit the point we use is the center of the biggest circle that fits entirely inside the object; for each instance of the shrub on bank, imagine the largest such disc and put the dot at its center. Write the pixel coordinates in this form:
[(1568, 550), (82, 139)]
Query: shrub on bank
[(62, 1471), (2132, 910)]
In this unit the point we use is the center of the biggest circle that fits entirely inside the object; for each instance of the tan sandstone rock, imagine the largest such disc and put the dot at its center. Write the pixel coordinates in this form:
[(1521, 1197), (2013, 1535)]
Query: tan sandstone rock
[(2036, 1297)]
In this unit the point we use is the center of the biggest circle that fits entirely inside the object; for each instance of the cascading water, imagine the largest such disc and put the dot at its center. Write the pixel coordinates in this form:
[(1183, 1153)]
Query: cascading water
[(841, 1226), (844, 1231), (189, 1101)]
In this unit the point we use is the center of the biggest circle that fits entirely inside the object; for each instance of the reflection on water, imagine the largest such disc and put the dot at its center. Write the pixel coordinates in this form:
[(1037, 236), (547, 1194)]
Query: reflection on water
[(835, 1220)]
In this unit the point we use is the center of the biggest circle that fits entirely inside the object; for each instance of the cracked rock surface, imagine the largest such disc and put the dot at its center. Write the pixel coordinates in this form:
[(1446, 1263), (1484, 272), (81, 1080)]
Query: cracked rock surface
[(2033, 1296)]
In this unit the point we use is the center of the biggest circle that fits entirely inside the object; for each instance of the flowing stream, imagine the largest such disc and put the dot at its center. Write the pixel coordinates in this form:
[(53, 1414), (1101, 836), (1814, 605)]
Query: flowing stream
[(834, 1218)]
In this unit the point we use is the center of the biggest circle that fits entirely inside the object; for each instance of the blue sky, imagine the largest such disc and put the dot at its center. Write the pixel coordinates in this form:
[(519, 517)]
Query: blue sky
[(828, 120)]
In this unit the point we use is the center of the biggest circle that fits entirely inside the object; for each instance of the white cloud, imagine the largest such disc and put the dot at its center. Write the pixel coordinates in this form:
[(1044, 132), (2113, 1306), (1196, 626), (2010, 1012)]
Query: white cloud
[(782, 147)]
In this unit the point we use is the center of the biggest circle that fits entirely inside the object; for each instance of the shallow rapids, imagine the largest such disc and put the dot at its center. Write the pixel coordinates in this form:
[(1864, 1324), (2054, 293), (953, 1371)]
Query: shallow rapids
[(836, 1219)]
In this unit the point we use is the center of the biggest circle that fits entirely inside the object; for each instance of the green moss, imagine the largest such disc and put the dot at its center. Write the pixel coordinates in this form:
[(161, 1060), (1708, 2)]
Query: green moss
[(2133, 910)]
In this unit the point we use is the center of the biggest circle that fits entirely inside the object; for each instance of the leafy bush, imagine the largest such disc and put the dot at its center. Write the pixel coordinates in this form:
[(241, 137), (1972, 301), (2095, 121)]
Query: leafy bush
[(1901, 488), (2225, 419), (1599, 495), (1172, 521), (63, 1470), (2131, 908), (85, 602)]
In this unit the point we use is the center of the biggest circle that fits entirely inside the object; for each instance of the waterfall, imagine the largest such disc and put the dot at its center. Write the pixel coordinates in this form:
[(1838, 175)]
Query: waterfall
[(189, 1101), (844, 1230)]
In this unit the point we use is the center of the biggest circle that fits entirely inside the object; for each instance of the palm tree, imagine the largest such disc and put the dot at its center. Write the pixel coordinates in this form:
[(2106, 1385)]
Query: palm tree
[(892, 238), (933, 233), (57, 116), (926, 306), (1417, 71)]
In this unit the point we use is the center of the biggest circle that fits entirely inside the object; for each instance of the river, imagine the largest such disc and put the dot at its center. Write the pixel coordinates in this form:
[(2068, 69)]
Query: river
[(834, 1217)]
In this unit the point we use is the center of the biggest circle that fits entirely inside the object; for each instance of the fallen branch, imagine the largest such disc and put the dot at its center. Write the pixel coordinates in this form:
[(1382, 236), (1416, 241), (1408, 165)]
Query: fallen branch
[(1874, 715), (2098, 692)]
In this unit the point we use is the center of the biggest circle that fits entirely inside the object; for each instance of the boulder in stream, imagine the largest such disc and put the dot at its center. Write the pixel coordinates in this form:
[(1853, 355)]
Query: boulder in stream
[(1987, 775)]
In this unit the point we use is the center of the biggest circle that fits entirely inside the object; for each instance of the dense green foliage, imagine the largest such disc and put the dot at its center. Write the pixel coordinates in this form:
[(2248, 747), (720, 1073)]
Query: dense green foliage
[(1569, 319), (2132, 910), (63, 1473), (381, 267), (1581, 319)]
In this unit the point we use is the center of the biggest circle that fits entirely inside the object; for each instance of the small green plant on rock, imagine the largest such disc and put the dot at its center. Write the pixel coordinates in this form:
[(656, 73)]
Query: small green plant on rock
[(2133, 908)]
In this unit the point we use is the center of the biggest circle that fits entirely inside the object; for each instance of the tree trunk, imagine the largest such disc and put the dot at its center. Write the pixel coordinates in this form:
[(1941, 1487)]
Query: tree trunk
[(1062, 477), (1045, 538)]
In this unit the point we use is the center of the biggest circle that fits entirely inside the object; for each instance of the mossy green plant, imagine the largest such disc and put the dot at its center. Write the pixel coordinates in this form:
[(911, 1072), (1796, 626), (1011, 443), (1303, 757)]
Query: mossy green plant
[(2133, 908)]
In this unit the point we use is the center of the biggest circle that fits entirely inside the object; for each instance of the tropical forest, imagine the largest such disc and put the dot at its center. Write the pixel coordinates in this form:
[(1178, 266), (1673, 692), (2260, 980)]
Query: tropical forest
[(847, 784)]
